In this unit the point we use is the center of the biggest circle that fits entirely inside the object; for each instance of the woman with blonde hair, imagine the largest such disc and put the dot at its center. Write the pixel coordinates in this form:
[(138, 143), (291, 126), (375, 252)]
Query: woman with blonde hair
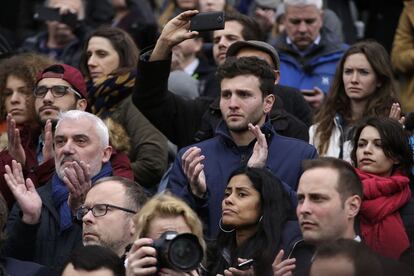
[(162, 213)]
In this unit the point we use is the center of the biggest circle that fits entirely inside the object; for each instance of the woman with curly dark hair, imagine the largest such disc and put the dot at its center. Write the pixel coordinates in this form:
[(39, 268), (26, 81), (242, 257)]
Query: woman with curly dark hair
[(383, 159), (17, 80), (363, 86), (255, 224), (18, 76)]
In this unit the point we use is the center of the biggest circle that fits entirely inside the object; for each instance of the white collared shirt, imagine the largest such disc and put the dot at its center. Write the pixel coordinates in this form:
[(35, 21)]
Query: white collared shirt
[(190, 68)]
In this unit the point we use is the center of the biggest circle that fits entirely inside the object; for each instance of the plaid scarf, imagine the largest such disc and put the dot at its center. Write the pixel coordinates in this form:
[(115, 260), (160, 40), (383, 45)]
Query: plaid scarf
[(105, 95)]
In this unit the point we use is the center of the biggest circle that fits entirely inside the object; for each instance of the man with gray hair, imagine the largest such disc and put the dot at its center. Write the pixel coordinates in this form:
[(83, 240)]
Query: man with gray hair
[(40, 225), (308, 53)]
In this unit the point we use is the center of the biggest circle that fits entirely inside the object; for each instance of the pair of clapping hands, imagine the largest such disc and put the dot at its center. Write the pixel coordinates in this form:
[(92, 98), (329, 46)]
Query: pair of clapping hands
[(77, 175), (191, 162)]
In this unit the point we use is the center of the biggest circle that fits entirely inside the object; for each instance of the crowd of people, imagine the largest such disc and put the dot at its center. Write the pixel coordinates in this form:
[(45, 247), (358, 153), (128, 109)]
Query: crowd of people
[(281, 144)]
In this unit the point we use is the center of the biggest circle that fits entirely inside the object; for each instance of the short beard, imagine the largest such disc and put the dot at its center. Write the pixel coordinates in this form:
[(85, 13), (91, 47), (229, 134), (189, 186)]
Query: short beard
[(239, 129), (243, 128)]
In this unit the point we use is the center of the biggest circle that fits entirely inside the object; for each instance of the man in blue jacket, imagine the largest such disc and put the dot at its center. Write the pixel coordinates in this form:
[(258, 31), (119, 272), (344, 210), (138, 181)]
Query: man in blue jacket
[(308, 53), (244, 137)]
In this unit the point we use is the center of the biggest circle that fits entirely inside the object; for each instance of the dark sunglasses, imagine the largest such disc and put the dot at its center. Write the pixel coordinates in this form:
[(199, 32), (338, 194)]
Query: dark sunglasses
[(57, 91)]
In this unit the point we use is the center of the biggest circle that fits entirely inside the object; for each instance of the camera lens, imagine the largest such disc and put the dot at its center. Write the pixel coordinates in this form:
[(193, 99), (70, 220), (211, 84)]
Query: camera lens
[(185, 252)]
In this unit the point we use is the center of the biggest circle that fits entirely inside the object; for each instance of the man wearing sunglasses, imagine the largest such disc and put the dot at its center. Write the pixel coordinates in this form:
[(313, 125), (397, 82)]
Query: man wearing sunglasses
[(107, 213)]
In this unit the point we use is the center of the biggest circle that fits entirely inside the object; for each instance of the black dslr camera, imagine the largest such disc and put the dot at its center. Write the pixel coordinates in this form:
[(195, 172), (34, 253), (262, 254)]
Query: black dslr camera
[(181, 252)]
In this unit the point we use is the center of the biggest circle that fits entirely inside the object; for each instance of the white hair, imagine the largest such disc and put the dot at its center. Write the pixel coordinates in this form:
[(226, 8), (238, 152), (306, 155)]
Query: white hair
[(99, 125), (316, 3)]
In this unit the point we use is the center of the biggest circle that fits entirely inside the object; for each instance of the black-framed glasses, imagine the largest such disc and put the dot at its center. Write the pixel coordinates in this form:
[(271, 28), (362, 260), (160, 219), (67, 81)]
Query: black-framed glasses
[(99, 210), (57, 91)]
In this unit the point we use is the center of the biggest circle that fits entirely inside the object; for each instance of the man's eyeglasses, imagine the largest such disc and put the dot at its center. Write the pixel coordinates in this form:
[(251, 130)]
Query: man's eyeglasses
[(57, 91), (99, 210)]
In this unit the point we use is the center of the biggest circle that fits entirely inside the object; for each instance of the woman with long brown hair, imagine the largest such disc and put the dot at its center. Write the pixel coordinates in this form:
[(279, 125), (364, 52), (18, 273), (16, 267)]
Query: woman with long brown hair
[(363, 86), (108, 63)]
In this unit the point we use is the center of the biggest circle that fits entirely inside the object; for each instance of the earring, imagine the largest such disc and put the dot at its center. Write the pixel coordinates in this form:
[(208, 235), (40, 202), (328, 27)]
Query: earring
[(260, 219), (224, 230)]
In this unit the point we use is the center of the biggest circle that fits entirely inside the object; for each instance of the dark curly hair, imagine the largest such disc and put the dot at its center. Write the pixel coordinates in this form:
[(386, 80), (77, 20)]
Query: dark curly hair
[(23, 66), (394, 141)]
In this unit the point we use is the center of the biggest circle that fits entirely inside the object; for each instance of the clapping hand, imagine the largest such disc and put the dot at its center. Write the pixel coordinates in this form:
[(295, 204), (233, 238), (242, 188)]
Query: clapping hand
[(194, 170), (25, 193), (260, 150), (78, 180), (396, 114), (14, 146)]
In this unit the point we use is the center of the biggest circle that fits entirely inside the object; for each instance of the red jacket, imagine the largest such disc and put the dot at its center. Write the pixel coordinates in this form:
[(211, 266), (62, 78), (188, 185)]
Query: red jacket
[(41, 174)]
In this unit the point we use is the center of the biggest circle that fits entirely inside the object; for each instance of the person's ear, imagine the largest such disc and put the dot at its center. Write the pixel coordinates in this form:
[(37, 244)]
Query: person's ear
[(132, 228), (81, 104), (277, 76), (107, 154), (198, 44), (268, 102), (353, 204)]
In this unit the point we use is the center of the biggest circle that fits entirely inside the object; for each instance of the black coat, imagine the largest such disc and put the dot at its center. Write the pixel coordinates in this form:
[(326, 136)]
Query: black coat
[(41, 243)]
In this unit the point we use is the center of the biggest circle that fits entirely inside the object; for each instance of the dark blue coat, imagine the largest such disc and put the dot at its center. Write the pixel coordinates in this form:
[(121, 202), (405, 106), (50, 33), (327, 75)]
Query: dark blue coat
[(223, 156), (317, 68)]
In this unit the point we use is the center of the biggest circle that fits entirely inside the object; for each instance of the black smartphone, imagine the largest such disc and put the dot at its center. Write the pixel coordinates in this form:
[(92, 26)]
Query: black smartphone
[(245, 265), (47, 14), (207, 21), (53, 14)]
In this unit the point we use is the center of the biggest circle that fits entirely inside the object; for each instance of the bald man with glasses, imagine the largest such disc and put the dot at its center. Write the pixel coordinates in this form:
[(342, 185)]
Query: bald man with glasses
[(108, 211)]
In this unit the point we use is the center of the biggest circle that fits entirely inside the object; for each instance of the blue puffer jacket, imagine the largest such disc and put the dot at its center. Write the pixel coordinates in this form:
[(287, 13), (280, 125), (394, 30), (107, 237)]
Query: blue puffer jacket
[(223, 156), (317, 68)]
